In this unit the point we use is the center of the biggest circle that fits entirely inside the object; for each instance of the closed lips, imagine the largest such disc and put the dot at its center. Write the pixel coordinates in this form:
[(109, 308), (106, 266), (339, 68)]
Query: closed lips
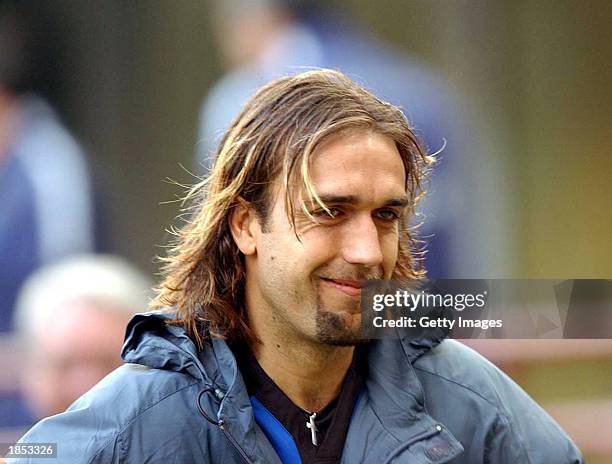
[(350, 287)]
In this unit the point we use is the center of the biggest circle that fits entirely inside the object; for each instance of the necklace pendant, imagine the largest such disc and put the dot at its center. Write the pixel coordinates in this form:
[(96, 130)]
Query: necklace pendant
[(313, 428)]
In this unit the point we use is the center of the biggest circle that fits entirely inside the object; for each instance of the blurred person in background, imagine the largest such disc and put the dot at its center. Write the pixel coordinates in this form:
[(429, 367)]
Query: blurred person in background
[(260, 40), (71, 320), (46, 197)]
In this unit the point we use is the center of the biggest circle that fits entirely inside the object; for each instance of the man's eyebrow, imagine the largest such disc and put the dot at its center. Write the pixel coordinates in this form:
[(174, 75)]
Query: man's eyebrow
[(346, 199), (401, 202), (354, 199)]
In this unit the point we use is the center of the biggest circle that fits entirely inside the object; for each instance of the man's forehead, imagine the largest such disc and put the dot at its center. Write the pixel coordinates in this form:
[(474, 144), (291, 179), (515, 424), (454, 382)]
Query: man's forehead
[(353, 153), (358, 167), (355, 166)]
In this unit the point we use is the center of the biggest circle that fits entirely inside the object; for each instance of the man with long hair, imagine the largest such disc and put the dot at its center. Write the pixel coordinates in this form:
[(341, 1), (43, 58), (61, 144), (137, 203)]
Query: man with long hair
[(255, 351)]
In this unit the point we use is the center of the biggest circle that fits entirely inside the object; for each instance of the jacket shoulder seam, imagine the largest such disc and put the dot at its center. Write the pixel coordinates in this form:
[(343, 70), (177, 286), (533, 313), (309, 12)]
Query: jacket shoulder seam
[(136, 416), (465, 387)]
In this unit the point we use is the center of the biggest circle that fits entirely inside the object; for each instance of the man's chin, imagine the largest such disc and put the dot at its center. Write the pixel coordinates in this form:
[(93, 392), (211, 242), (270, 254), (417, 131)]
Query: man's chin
[(339, 328)]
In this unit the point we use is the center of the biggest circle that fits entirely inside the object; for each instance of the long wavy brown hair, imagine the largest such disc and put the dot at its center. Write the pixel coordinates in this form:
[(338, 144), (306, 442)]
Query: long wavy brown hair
[(275, 134)]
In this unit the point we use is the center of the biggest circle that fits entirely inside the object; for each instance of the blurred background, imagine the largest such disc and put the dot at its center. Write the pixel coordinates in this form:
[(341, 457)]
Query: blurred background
[(102, 103)]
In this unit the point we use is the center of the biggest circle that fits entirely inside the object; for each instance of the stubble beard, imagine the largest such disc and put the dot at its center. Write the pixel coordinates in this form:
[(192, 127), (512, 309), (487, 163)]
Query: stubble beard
[(332, 328), (338, 327)]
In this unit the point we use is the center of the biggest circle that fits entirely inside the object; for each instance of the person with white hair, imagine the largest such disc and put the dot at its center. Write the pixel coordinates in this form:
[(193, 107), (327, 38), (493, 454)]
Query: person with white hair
[(70, 320)]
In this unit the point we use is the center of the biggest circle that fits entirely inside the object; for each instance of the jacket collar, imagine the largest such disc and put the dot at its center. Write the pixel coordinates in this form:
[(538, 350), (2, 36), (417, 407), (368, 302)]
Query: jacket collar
[(151, 342)]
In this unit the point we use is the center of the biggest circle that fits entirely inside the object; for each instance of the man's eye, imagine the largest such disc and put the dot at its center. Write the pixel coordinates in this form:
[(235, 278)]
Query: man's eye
[(388, 215), (333, 212)]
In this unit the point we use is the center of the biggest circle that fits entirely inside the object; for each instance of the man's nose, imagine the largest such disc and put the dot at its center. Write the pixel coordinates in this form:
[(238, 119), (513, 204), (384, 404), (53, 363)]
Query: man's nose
[(361, 243)]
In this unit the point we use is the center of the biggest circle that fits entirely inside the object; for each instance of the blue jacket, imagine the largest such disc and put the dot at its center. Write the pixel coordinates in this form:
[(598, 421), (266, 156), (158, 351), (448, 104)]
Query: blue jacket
[(425, 401)]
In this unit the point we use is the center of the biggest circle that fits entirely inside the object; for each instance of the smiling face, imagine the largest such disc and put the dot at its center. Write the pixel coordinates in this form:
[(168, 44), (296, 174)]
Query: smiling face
[(310, 288)]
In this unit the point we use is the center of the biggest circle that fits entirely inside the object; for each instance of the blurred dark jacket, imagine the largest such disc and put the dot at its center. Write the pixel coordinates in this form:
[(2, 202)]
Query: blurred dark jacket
[(46, 200)]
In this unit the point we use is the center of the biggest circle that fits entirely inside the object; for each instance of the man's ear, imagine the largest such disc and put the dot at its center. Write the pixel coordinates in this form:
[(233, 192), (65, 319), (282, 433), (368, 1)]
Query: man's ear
[(244, 227)]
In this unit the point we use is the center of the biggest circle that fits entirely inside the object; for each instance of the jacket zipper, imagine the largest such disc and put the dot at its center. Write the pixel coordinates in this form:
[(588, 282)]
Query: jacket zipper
[(221, 423), (421, 436), (233, 441)]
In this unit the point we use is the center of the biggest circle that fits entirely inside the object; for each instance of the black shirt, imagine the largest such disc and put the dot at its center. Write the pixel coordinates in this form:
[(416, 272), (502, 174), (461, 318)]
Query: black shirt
[(331, 422)]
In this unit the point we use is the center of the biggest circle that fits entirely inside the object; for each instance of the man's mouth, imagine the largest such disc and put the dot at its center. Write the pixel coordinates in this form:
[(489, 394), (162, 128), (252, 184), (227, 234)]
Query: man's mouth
[(348, 287)]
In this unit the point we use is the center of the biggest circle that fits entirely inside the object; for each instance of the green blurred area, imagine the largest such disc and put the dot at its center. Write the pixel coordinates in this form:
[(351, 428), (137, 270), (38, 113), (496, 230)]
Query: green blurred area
[(568, 381)]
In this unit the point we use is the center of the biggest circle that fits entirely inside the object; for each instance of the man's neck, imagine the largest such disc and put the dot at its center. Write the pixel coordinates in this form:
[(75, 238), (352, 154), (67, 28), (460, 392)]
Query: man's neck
[(310, 374)]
